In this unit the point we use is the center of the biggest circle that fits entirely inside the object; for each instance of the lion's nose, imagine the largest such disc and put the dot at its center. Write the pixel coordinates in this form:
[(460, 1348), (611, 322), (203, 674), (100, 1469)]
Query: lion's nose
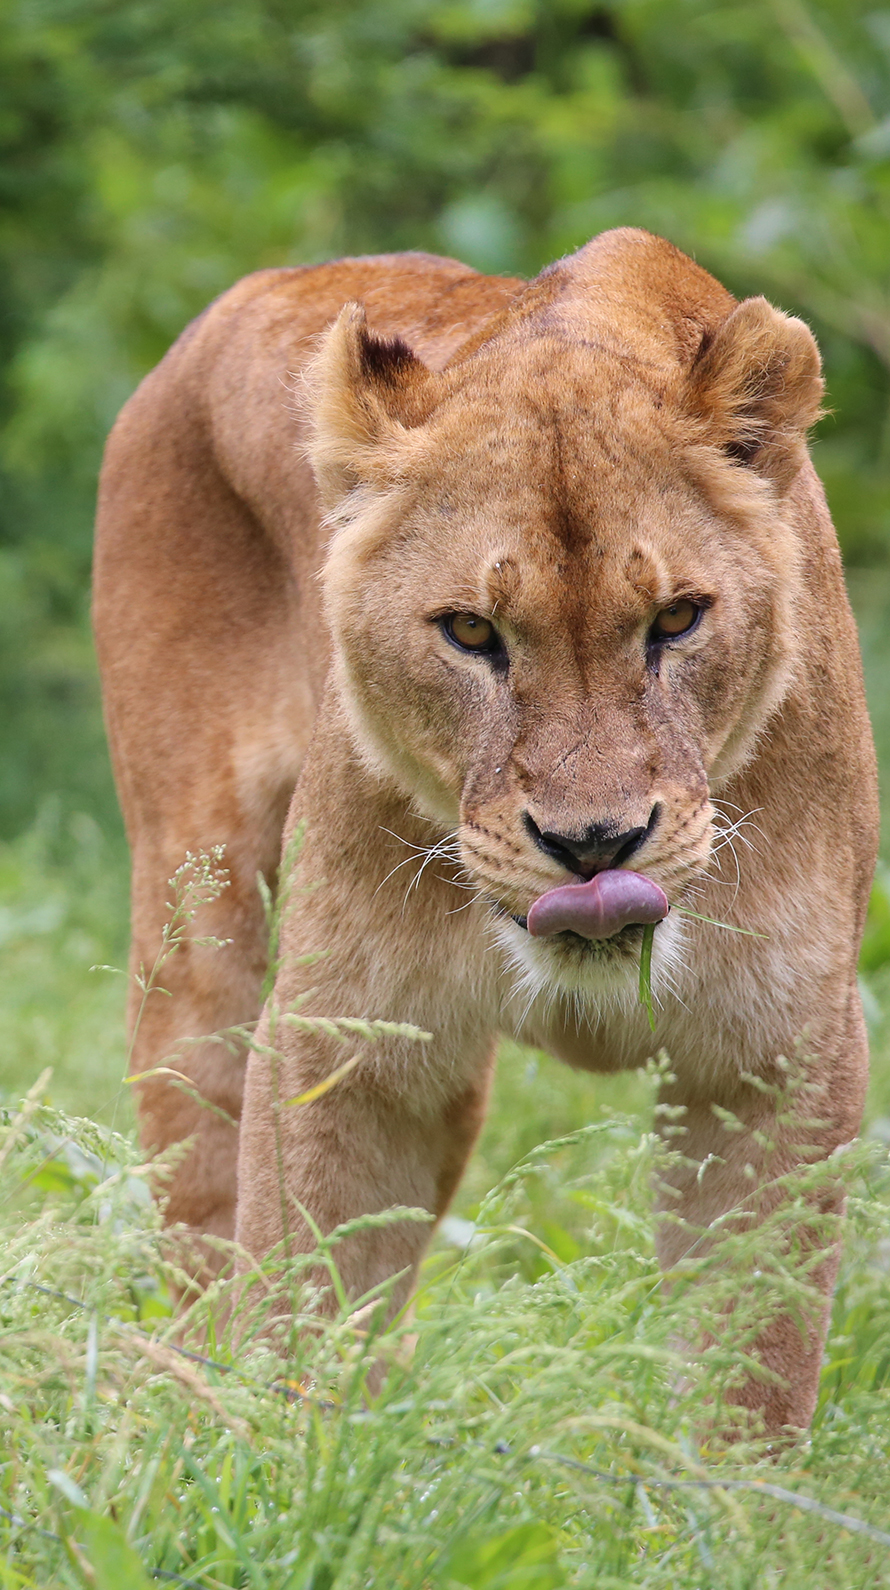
[(598, 847)]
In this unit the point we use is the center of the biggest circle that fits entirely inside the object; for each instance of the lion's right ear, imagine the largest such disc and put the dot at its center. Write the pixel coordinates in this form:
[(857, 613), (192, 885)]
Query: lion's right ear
[(365, 391), (756, 384)]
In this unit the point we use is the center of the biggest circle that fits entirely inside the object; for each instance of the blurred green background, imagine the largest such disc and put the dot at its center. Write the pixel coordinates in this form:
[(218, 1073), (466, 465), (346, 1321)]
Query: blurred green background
[(155, 150)]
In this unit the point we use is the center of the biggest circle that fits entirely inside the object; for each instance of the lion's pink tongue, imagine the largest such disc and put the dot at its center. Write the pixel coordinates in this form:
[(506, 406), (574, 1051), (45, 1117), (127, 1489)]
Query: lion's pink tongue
[(599, 908)]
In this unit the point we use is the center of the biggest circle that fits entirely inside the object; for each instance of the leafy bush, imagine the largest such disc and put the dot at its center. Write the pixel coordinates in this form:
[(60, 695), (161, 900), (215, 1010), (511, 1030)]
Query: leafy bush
[(153, 152)]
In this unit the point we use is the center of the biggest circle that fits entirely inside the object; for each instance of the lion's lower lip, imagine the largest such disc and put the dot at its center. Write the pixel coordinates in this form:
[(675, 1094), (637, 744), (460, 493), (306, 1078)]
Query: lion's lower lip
[(569, 940)]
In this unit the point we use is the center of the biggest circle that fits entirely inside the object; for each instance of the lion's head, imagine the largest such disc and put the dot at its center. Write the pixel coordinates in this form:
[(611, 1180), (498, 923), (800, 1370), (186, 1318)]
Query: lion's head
[(561, 585)]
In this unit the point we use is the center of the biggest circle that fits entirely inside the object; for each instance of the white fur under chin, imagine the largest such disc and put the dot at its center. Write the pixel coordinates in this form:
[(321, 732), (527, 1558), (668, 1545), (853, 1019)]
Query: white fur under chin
[(600, 977)]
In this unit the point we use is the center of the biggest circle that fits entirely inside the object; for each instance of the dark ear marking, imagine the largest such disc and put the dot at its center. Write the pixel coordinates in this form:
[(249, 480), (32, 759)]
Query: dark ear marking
[(707, 337), (386, 359), (365, 391), (742, 451)]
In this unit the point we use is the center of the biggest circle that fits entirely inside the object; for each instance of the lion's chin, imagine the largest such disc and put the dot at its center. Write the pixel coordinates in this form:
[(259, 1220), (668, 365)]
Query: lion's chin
[(602, 973)]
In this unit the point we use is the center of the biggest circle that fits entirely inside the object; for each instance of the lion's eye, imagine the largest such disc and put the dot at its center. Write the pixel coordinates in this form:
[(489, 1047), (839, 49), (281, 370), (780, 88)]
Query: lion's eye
[(471, 633), (674, 620)]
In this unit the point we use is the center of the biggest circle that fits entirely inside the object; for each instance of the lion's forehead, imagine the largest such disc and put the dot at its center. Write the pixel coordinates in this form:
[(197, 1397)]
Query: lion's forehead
[(580, 589), (550, 388), (539, 560), (534, 441), (574, 482)]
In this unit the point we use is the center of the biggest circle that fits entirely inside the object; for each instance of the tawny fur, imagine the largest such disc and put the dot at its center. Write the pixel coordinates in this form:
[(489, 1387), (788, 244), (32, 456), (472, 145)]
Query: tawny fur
[(565, 458)]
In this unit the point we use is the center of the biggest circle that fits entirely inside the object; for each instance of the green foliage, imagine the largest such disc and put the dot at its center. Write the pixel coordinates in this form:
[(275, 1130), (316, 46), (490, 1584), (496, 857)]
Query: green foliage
[(63, 910), (525, 1557), (154, 152), (876, 942)]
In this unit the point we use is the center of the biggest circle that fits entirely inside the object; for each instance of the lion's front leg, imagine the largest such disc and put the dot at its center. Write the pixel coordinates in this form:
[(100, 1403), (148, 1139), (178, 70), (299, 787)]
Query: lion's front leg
[(734, 1173), (360, 1149), (397, 1127)]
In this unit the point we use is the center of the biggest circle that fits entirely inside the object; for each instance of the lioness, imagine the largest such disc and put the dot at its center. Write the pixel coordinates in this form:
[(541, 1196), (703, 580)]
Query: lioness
[(533, 582)]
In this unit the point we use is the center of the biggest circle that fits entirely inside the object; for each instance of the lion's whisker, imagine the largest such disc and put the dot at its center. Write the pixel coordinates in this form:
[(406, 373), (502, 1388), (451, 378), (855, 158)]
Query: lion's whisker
[(397, 868)]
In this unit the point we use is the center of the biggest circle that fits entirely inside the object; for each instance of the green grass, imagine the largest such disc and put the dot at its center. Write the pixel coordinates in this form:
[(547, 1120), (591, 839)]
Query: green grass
[(63, 911), (549, 1429)]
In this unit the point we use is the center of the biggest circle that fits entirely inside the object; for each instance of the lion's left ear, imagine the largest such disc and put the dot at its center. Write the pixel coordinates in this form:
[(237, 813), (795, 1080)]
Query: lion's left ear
[(365, 391), (756, 383)]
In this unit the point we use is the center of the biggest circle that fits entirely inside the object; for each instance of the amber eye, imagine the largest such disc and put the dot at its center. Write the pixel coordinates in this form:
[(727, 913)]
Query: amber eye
[(674, 620), (471, 633)]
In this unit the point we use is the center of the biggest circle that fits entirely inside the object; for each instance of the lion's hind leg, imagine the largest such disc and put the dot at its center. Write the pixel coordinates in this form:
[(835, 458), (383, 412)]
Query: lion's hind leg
[(209, 709)]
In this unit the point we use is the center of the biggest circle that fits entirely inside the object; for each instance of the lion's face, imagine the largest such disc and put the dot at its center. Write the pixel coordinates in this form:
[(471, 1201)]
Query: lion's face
[(561, 619)]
